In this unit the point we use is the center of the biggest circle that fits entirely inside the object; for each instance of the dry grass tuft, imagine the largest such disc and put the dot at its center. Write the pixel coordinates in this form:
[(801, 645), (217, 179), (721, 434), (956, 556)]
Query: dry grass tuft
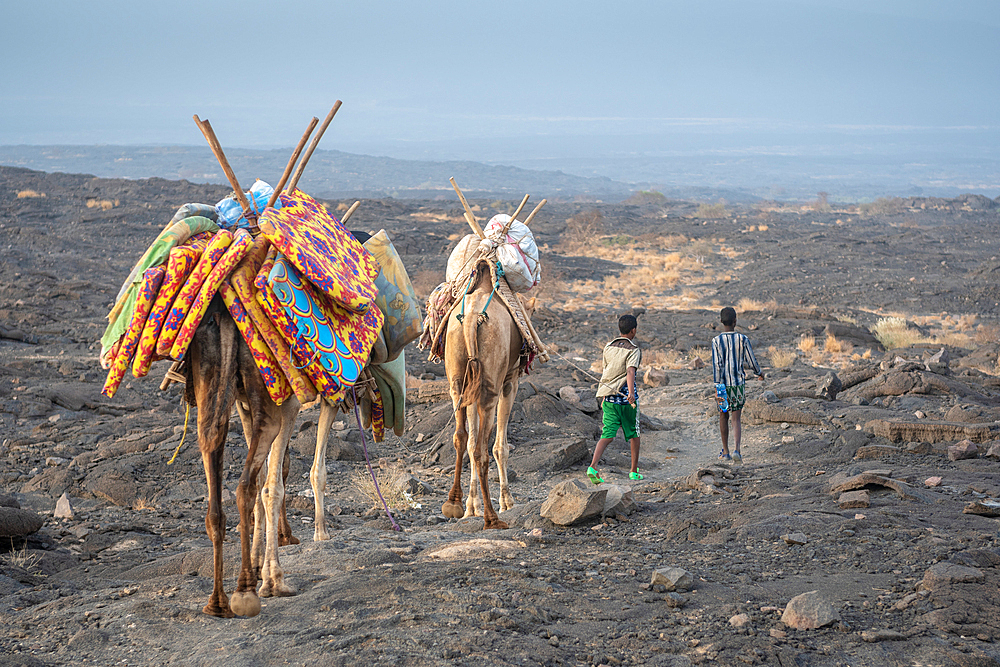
[(835, 346), (29, 194), (103, 204), (987, 333), (703, 353), (389, 483), (867, 354), (967, 322), (894, 332), (22, 559), (717, 210), (143, 504), (781, 358)]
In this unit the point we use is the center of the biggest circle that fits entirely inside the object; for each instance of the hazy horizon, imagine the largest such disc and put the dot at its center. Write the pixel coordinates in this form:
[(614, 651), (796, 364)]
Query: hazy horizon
[(574, 85)]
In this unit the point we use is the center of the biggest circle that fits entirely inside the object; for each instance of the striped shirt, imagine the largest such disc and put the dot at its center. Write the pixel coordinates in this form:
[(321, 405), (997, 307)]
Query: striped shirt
[(730, 352)]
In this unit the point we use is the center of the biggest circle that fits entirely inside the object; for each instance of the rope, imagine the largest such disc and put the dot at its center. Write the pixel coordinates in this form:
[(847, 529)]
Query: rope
[(364, 445), (461, 314), (187, 415)]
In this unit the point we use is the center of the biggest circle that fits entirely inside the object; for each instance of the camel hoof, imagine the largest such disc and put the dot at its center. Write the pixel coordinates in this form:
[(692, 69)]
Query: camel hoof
[(220, 611), (285, 541), (319, 536), (277, 590), (453, 509), (245, 603), (497, 524)]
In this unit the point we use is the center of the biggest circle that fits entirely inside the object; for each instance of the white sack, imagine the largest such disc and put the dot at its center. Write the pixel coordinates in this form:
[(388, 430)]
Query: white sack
[(517, 252), (460, 263)]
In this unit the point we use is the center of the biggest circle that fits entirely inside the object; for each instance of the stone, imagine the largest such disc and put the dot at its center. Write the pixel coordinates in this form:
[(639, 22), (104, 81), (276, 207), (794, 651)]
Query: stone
[(882, 636), (938, 363), (787, 439), (64, 509), (777, 634), (945, 573), (16, 522), (9, 501), (619, 500), (853, 500), (932, 481), (770, 397), (920, 414), (739, 620), (655, 377), (966, 449), (574, 501), (994, 450), (809, 611), (672, 578), (344, 450), (569, 395), (795, 538), (115, 486), (696, 364), (675, 600), (55, 461), (829, 386), (983, 508)]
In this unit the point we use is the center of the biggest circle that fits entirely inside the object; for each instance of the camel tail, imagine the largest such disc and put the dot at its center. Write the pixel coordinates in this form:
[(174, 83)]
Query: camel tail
[(473, 381)]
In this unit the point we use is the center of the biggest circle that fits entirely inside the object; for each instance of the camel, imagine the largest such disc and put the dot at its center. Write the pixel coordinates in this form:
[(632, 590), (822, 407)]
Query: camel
[(220, 372), (482, 360)]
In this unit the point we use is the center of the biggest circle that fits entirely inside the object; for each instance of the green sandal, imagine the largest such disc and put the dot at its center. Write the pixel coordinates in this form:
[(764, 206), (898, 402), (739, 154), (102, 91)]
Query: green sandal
[(635, 475), (594, 477)]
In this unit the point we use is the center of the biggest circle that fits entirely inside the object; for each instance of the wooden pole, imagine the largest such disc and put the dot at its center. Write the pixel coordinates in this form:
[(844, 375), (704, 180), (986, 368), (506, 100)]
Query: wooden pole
[(527, 221), (514, 217), (315, 142), (469, 217), (213, 142), (291, 162), (350, 212)]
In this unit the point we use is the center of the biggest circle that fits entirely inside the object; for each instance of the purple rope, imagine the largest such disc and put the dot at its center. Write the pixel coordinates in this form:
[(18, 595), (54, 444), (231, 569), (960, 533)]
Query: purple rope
[(364, 445)]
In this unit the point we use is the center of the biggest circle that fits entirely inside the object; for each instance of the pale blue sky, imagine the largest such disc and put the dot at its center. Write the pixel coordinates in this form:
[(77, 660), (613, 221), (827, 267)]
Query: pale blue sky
[(447, 74)]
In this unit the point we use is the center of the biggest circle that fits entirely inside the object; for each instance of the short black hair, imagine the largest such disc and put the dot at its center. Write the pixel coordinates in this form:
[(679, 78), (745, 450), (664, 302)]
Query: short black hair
[(728, 316), (627, 323)]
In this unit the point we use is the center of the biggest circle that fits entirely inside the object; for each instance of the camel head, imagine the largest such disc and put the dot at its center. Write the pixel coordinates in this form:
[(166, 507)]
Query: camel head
[(529, 305)]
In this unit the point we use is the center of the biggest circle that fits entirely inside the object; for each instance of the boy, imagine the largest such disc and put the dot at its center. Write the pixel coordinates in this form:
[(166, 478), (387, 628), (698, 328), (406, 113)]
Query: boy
[(619, 396), (730, 351)]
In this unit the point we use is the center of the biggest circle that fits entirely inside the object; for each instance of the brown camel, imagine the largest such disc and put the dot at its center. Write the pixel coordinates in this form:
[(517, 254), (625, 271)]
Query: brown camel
[(220, 372), (482, 355)]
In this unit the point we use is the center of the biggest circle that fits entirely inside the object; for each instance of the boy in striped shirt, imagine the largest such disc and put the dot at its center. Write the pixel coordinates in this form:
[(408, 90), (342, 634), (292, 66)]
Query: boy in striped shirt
[(730, 352)]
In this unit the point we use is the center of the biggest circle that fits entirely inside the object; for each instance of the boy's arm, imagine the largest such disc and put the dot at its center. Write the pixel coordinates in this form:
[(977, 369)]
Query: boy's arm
[(716, 361), (630, 379), (753, 360)]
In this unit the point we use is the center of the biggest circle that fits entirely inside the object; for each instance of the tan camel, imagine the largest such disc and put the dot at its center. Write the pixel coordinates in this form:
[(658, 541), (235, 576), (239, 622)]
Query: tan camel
[(220, 371), (482, 356)]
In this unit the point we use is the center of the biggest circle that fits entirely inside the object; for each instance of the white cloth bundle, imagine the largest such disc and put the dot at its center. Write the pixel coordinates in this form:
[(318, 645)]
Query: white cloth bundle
[(516, 252), (460, 263)]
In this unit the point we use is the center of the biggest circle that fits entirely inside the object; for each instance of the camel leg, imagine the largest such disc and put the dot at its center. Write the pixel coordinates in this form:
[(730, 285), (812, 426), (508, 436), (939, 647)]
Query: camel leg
[(501, 448), (215, 525), (257, 547), (474, 503), (285, 536), (259, 522), (486, 413), (273, 493), (453, 507), (317, 474)]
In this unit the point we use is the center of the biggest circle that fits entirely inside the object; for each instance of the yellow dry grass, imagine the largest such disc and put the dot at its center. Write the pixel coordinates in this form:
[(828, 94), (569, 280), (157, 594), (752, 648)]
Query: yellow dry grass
[(781, 357), (103, 204), (143, 504), (29, 194), (833, 345), (894, 332), (746, 305), (389, 483), (987, 333)]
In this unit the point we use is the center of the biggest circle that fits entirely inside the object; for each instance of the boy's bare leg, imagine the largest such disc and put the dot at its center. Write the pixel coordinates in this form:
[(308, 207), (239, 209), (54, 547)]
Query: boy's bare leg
[(599, 451), (724, 431), (634, 445), (737, 428)]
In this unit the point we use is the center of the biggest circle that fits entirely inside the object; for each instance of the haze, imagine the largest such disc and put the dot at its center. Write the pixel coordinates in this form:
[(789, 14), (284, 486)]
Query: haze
[(609, 88)]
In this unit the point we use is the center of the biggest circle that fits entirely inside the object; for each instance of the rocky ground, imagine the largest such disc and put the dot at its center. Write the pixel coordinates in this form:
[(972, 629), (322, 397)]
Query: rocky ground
[(856, 482)]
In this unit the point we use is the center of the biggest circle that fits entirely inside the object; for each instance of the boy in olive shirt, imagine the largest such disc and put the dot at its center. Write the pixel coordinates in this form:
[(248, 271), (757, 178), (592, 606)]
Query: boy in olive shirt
[(619, 396)]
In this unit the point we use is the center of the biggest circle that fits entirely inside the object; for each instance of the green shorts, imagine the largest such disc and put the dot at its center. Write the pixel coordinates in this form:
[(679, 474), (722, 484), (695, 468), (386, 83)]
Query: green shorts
[(736, 395), (624, 417)]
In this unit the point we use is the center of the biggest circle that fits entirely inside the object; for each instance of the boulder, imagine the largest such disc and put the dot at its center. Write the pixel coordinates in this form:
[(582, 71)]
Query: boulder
[(853, 500), (966, 449), (115, 486), (64, 509), (739, 620), (672, 578), (16, 522), (795, 538), (993, 452), (573, 501), (570, 395), (945, 573), (619, 500), (989, 508), (809, 611), (556, 454), (655, 377)]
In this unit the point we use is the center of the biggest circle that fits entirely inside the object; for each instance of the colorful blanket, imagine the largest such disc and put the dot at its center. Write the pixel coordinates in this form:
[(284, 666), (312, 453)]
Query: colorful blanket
[(396, 298), (322, 250), (151, 280)]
